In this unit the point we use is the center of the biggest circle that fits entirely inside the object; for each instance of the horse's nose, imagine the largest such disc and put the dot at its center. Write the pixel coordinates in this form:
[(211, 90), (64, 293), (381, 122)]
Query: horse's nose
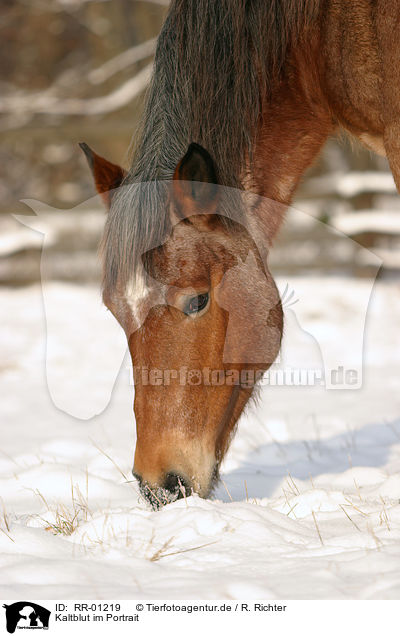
[(177, 485), (173, 487)]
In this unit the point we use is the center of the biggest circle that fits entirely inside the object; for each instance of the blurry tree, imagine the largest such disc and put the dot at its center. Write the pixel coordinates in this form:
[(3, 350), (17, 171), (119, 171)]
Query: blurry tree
[(71, 70), (76, 70)]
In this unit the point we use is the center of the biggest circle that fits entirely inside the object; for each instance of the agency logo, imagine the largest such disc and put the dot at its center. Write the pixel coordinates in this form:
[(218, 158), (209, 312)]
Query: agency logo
[(26, 615), (327, 353)]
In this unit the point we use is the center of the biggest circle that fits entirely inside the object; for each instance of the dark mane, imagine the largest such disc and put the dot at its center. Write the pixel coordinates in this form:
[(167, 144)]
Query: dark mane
[(216, 61)]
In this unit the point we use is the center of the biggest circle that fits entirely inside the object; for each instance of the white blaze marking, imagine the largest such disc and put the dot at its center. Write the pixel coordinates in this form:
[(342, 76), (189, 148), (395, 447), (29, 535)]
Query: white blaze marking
[(136, 293)]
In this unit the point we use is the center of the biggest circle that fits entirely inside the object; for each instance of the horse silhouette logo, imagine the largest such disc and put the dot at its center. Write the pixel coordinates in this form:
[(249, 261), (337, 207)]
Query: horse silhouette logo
[(26, 615), (74, 355)]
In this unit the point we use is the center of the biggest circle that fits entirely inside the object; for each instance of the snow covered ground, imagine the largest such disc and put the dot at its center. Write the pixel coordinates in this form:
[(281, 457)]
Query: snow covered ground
[(309, 503)]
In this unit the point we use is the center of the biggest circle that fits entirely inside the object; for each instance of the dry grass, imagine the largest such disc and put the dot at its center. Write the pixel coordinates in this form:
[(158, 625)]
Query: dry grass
[(383, 516), (226, 488), (350, 519), (378, 542), (66, 518), (114, 463), (357, 487), (161, 552), (292, 485), (316, 525), (65, 523), (291, 508), (6, 522), (356, 507)]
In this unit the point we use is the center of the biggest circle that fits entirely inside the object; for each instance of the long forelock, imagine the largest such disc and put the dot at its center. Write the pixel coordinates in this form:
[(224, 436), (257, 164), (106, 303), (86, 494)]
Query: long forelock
[(214, 64)]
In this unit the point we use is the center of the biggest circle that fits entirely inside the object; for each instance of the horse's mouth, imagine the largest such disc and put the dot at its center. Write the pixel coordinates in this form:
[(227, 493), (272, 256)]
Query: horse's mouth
[(175, 488)]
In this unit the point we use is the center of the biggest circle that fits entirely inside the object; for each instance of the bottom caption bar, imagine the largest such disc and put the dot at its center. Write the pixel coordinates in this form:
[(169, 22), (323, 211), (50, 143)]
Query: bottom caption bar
[(97, 617)]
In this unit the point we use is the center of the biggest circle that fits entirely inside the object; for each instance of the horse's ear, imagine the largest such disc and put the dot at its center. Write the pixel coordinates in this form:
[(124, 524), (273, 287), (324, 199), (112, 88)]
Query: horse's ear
[(107, 176), (195, 182)]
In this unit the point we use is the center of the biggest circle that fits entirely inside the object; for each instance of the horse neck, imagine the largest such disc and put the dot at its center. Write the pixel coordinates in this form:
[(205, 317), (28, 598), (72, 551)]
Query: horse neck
[(296, 122)]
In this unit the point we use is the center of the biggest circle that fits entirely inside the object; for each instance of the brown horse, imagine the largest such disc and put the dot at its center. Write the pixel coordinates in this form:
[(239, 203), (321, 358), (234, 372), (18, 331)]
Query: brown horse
[(244, 94)]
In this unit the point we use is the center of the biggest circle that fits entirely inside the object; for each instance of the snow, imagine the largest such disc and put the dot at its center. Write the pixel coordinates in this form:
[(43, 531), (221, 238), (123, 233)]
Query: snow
[(349, 184), (308, 506), (385, 222)]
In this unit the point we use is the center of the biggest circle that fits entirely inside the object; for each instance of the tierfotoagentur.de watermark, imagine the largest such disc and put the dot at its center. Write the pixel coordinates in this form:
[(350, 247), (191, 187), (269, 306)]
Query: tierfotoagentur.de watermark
[(243, 377)]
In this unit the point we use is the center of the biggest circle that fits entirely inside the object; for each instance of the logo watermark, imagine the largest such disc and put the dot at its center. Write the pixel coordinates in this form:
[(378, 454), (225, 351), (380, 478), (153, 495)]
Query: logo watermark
[(26, 615), (330, 356)]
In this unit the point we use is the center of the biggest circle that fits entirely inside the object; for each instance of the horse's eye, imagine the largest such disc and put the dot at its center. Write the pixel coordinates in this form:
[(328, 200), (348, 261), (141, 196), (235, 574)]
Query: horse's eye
[(195, 304)]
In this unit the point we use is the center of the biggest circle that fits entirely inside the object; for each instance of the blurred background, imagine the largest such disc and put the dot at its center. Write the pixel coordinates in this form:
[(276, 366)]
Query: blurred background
[(76, 70)]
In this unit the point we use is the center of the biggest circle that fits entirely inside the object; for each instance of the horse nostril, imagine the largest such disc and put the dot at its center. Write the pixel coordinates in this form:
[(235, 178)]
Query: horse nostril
[(176, 484)]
